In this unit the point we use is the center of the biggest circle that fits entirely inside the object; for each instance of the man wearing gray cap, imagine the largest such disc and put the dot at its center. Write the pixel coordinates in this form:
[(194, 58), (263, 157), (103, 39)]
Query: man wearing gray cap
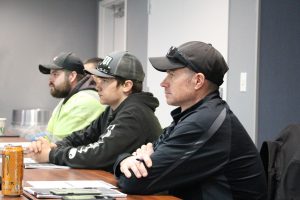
[(80, 104), (205, 153), (127, 122)]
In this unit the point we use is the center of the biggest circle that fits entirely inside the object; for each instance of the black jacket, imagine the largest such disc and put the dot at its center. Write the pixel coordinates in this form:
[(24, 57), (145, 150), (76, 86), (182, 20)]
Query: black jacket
[(225, 166), (281, 159), (132, 124)]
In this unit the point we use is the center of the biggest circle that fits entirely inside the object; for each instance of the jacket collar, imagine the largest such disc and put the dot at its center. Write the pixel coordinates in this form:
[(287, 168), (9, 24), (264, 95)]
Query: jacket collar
[(177, 114), (87, 83)]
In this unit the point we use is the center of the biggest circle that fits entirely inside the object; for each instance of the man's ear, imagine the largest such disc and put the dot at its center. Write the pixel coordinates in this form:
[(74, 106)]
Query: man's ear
[(127, 86), (72, 76), (199, 79)]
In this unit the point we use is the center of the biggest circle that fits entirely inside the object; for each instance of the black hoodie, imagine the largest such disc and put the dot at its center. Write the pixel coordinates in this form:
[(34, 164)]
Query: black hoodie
[(125, 129)]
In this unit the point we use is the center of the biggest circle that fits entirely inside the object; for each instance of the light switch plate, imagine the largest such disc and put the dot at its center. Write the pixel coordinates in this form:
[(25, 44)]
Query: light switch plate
[(243, 82)]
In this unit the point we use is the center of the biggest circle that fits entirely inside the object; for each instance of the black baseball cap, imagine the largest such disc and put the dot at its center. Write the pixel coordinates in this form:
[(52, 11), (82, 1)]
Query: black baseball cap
[(121, 64), (68, 61), (198, 56)]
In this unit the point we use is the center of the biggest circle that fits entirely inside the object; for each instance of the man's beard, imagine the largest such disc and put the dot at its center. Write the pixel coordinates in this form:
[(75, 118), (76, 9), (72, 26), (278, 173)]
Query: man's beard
[(61, 91)]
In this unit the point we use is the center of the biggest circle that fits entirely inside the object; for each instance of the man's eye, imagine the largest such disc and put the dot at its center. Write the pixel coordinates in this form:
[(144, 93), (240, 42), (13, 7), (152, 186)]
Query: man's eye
[(171, 74)]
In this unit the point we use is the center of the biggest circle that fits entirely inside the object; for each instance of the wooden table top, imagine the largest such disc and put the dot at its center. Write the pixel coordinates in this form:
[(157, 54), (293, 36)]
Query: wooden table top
[(73, 174)]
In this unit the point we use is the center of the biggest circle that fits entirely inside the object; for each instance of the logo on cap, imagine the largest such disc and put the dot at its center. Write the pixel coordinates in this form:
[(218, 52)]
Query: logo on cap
[(106, 60), (104, 66)]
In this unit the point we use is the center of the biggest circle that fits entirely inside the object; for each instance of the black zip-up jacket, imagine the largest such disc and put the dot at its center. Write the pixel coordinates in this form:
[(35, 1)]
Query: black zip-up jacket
[(224, 166), (132, 124)]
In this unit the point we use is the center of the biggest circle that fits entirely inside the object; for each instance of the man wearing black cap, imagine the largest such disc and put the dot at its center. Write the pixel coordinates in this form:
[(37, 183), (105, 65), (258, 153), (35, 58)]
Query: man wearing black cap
[(80, 104), (127, 122), (205, 153)]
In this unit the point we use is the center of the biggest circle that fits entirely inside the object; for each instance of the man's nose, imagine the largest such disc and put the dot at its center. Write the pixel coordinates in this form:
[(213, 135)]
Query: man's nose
[(163, 83)]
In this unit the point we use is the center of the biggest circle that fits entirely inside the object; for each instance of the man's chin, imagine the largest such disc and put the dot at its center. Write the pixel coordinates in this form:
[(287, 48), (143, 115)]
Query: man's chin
[(103, 102), (54, 94), (169, 102), (168, 97)]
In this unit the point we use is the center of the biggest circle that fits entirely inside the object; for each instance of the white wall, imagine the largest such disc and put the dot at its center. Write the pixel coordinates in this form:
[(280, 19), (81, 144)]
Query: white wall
[(173, 22), (242, 50), (33, 32)]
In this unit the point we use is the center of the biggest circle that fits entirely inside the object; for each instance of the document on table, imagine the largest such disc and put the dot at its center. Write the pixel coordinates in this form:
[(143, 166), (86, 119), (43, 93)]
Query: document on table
[(26, 161), (58, 193), (41, 193), (35, 165), (71, 184), (29, 161), (44, 189)]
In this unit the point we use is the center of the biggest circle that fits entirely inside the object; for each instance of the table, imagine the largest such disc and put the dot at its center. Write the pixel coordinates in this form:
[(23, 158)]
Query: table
[(73, 174)]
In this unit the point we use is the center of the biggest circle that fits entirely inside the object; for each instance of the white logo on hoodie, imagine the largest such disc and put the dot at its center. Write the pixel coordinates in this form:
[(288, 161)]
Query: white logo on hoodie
[(94, 145)]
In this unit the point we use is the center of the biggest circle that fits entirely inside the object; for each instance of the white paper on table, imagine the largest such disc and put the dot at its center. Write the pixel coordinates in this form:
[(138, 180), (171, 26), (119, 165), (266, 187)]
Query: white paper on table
[(71, 184), (29, 161), (26, 160), (44, 166), (49, 184), (91, 184)]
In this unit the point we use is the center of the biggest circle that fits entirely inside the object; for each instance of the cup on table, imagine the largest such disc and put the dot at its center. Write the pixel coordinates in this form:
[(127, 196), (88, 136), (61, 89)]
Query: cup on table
[(2, 125)]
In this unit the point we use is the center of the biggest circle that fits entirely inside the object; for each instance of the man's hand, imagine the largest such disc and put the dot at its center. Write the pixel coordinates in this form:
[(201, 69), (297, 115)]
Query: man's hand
[(138, 162), (39, 150)]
